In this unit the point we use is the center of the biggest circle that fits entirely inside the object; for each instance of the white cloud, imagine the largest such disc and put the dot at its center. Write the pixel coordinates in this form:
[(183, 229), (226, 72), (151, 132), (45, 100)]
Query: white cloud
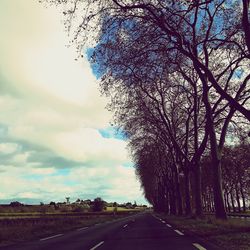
[(21, 158), (108, 183), (49, 100), (8, 148)]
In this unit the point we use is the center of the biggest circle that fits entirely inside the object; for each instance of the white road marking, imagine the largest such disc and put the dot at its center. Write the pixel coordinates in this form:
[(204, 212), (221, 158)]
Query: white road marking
[(125, 225), (179, 232), (51, 237), (99, 244), (168, 225), (200, 247), (163, 221), (79, 229)]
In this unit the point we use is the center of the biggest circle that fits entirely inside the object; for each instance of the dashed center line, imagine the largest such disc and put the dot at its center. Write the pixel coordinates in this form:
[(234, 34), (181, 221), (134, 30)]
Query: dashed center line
[(200, 247), (96, 246), (51, 237), (168, 225), (82, 228), (125, 225), (179, 232)]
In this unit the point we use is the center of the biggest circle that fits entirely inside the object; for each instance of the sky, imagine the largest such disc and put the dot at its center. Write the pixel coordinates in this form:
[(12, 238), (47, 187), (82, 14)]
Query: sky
[(56, 140)]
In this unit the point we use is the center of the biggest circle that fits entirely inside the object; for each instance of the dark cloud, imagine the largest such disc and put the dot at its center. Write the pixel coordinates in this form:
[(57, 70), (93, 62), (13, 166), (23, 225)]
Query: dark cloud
[(42, 156)]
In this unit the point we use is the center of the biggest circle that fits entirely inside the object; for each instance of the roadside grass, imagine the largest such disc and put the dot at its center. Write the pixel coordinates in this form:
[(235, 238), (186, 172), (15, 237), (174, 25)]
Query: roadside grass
[(27, 229), (233, 234)]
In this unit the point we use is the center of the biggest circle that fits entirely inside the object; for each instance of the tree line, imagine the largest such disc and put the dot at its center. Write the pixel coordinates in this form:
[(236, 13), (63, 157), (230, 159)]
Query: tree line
[(177, 75)]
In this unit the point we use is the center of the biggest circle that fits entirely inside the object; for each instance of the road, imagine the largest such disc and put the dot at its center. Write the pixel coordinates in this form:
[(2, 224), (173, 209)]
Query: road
[(142, 231)]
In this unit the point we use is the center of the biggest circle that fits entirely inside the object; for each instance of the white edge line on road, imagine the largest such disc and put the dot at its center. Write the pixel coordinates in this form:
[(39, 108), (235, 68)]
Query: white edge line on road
[(179, 232), (168, 225), (51, 237), (200, 247), (99, 244), (125, 225), (82, 228)]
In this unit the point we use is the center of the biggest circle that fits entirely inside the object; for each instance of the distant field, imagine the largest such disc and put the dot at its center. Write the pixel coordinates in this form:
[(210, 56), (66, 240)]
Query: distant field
[(36, 211), (108, 209)]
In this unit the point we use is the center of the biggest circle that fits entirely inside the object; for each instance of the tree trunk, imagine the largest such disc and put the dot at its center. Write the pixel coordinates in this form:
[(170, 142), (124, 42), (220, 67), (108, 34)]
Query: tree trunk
[(243, 198), (187, 193), (167, 202), (225, 201), (220, 211), (172, 203), (228, 203), (197, 183), (178, 191), (232, 201), (237, 197)]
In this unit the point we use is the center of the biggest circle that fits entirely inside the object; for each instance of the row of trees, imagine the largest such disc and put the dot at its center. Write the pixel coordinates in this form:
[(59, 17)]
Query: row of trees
[(235, 179), (177, 74)]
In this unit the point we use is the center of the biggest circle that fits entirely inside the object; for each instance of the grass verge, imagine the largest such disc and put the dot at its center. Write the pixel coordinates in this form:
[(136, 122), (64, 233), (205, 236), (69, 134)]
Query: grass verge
[(233, 234)]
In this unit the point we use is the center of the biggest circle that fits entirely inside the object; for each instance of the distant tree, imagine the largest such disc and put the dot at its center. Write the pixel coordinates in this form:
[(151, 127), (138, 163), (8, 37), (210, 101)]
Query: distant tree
[(52, 203), (98, 204), (115, 205), (128, 205), (89, 202), (16, 204), (134, 205)]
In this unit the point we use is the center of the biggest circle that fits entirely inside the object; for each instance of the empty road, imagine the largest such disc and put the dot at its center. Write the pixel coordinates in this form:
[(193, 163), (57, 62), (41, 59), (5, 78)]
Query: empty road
[(138, 232)]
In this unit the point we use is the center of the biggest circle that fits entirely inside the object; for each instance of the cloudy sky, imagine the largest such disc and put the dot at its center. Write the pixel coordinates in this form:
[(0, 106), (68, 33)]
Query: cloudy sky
[(55, 134)]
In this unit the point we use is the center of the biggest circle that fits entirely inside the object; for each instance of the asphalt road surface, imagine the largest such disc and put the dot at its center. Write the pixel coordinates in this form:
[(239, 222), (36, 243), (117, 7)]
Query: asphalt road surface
[(138, 232)]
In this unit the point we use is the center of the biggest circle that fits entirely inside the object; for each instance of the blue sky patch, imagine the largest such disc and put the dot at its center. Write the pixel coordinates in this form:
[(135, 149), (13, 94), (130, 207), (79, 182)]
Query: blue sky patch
[(128, 164), (112, 132), (62, 172)]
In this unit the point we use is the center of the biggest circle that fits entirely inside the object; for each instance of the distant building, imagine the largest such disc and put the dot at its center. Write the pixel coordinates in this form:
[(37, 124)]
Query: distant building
[(67, 200)]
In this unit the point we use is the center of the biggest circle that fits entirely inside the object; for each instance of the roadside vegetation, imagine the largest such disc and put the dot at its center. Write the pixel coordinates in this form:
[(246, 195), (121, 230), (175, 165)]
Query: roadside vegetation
[(233, 234)]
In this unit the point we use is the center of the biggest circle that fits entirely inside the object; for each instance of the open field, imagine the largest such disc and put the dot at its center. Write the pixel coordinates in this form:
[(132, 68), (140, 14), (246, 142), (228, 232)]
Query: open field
[(233, 234), (18, 227), (63, 214)]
